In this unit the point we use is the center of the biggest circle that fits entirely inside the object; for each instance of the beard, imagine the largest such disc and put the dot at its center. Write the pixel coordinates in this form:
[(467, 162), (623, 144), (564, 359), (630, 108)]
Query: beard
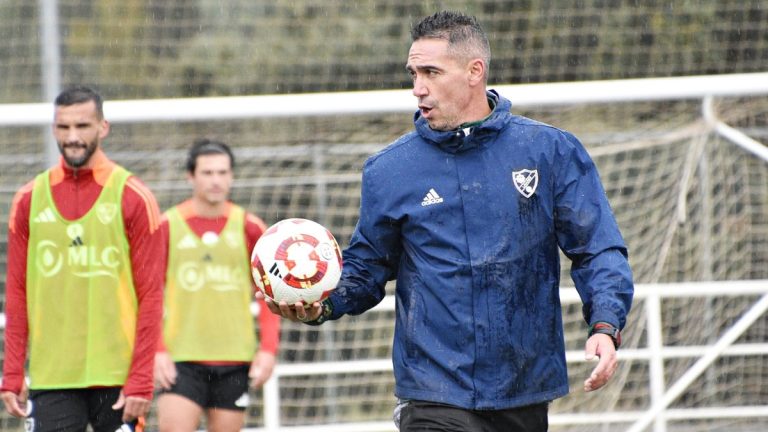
[(80, 161), (442, 121), (442, 125)]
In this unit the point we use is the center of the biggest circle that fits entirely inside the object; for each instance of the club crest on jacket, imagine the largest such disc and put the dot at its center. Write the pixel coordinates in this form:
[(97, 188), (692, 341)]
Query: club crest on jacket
[(525, 181)]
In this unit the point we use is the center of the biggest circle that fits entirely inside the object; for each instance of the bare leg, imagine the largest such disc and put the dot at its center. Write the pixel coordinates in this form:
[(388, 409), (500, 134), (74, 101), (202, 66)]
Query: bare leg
[(225, 420), (176, 413)]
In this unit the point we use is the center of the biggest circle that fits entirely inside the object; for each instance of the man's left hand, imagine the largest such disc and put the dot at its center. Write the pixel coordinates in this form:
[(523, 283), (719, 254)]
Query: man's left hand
[(600, 345), (262, 366)]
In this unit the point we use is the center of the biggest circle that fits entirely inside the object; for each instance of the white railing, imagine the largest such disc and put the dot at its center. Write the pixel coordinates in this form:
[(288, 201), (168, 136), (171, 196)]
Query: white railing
[(655, 354)]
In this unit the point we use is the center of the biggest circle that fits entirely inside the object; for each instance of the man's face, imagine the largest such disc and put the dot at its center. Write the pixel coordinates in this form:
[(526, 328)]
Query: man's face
[(78, 131), (212, 178), (440, 82)]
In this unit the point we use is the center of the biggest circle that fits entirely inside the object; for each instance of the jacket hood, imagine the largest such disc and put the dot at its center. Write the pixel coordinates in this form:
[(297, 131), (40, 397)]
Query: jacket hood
[(457, 140)]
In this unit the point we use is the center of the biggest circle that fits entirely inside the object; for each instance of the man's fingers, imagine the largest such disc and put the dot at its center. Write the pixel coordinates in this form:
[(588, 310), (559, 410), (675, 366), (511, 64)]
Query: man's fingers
[(292, 311), (135, 407), (164, 382), (298, 312), (165, 371), (261, 368), (602, 373), (601, 346), (13, 405), (120, 402), (271, 305), (286, 311), (170, 374), (257, 377)]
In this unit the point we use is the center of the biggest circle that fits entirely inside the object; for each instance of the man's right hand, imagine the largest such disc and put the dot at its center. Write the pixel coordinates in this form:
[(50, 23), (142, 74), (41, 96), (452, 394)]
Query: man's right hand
[(165, 370), (16, 404), (296, 312)]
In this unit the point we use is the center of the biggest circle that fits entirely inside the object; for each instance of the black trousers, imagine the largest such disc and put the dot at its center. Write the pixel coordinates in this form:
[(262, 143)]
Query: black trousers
[(419, 416)]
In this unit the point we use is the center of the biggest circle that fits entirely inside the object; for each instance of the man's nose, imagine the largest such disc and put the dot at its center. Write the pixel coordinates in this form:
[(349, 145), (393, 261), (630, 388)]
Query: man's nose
[(419, 89), (72, 135)]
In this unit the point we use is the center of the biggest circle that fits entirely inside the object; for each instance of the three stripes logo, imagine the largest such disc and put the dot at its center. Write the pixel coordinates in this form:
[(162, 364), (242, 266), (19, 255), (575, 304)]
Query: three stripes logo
[(431, 198), (75, 232), (275, 271), (187, 242), (45, 216)]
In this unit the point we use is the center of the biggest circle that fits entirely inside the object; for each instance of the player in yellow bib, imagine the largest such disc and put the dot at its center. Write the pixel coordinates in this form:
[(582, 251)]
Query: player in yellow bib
[(84, 285), (210, 352)]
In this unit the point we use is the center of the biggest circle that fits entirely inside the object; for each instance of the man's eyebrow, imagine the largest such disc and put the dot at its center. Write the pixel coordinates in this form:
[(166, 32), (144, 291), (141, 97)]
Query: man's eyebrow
[(421, 67)]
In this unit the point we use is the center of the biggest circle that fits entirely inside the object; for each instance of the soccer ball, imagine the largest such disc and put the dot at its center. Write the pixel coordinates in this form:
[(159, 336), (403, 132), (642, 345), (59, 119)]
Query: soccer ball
[(296, 260)]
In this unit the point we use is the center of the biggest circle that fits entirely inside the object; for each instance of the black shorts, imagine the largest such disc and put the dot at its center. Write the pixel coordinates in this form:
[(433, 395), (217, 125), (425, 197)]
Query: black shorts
[(223, 387), (72, 410), (420, 416)]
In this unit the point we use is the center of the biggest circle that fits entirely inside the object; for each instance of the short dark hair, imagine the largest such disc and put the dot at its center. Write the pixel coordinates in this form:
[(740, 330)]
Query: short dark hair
[(466, 38), (80, 94), (205, 146)]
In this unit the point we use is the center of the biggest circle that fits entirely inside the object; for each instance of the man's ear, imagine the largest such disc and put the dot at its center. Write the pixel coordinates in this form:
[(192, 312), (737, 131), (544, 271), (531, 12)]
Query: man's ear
[(104, 129), (476, 69)]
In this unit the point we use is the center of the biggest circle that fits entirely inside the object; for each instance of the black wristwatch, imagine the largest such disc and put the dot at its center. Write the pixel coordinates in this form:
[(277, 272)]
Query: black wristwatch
[(326, 309), (608, 329)]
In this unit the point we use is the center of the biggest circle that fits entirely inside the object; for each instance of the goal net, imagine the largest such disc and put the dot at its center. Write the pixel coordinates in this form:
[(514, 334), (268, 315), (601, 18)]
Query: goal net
[(691, 205), (691, 202), (137, 49)]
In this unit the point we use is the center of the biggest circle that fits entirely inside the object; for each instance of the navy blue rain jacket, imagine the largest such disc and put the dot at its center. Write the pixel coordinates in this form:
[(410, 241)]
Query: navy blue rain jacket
[(469, 223)]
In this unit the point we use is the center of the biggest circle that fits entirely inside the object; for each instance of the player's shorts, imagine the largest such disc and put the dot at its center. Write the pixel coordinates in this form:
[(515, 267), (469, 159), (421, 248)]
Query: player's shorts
[(224, 387), (72, 410), (420, 416)]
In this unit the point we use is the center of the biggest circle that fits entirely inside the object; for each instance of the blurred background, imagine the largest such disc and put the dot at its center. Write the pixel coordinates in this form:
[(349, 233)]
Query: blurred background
[(692, 206), (136, 49)]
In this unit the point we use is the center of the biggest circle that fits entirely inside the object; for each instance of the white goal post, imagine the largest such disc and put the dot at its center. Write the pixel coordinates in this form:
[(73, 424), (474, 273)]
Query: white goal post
[(318, 104), (685, 164)]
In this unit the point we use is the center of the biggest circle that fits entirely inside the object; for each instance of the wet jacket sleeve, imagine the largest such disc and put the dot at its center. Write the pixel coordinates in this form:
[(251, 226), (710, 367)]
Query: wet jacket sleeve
[(372, 256), (589, 236)]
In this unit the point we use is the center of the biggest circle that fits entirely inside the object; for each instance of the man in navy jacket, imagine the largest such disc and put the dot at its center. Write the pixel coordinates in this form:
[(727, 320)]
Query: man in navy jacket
[(468, 213)]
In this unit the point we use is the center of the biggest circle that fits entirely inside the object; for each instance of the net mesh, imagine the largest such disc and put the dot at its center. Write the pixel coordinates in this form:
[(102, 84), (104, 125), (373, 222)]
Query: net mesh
[(138, 49), (691, 205)]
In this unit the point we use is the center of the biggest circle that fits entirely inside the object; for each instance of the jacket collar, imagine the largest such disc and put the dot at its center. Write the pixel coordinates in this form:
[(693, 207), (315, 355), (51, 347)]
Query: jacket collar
[(458, 140), (99, 167)]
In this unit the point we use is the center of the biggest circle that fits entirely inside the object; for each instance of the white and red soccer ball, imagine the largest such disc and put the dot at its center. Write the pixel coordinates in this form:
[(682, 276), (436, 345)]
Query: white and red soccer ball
[(296, 260)]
